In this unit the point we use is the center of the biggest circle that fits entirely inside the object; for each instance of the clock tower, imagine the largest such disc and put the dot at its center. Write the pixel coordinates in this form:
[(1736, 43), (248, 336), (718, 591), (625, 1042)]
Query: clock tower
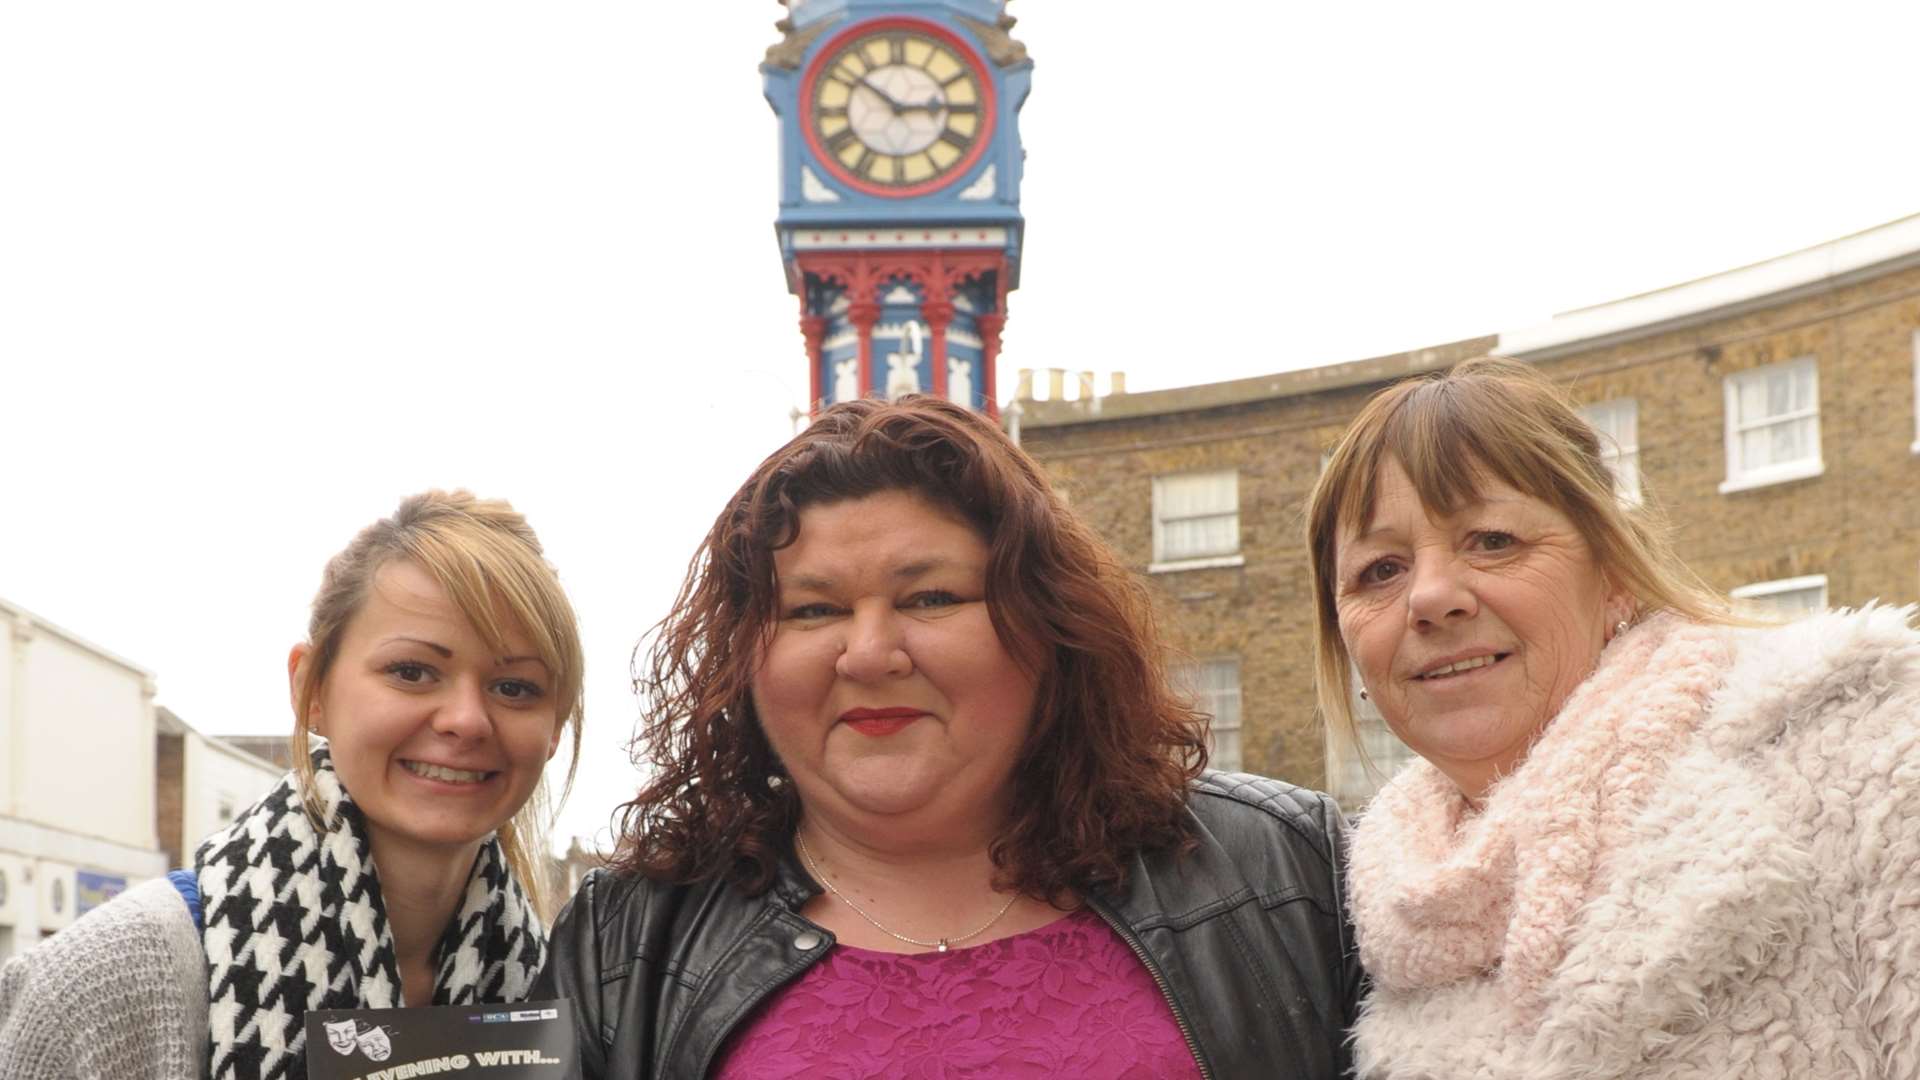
[(900, 164)]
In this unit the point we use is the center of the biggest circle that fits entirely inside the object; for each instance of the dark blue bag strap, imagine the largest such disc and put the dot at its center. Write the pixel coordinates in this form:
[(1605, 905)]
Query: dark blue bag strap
[(187, 884)]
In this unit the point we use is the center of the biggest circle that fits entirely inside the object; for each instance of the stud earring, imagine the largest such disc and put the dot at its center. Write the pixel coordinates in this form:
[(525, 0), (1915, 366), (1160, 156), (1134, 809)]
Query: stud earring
[(1363, 694)]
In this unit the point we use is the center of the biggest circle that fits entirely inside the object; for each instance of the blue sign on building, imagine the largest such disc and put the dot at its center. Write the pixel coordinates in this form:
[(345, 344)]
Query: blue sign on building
[(91, 889)]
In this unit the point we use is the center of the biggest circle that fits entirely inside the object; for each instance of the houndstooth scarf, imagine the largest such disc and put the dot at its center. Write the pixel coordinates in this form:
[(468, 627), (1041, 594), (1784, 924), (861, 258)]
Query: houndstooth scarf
[(294, 921)]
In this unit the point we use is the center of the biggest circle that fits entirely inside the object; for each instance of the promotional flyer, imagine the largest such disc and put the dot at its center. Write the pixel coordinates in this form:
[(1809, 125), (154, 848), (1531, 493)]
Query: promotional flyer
[(531, 1040)]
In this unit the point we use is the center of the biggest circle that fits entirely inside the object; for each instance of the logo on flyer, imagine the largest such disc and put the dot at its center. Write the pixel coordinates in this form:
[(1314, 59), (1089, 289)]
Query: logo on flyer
[(346, 1036), (532, 1040)]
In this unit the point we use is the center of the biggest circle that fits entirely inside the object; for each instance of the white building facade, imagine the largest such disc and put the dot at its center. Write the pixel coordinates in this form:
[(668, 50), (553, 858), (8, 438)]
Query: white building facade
[(76, 778)]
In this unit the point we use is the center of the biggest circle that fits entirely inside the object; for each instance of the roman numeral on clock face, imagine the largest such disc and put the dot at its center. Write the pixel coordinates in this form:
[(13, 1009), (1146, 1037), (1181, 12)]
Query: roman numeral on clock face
[(883, 113)]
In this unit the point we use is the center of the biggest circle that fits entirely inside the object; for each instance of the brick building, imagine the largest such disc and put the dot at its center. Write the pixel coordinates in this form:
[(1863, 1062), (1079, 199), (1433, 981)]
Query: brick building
[(1770, 410), (202, 782)]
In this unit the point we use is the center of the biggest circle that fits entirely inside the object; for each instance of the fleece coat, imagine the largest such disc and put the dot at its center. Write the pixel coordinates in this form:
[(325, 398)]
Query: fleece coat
[(1707, 867)]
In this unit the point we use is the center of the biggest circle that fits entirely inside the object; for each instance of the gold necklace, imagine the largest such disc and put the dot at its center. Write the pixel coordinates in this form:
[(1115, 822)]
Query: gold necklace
[(939, 943)]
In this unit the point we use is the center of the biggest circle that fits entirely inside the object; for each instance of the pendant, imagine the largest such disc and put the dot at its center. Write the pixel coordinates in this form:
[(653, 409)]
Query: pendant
[(943, 944)]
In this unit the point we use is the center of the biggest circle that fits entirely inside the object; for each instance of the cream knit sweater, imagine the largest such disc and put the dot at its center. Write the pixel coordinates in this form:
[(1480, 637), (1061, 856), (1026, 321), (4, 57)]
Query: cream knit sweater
[(1708, 867), (119, 995)]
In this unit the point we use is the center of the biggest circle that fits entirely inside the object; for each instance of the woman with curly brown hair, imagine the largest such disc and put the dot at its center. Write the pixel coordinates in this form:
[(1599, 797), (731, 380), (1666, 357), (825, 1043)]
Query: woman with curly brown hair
[(921, 802)]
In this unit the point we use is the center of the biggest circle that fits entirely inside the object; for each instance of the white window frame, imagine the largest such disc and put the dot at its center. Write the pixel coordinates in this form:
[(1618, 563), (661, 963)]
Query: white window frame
[(1916, 393), (1622, 457), (1741, 478), (1759, 590), (1161, 563), (1187, 679)]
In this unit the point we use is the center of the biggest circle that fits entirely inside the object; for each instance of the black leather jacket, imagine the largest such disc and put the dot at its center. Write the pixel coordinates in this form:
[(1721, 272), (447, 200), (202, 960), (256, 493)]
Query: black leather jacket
[(1247, 936)]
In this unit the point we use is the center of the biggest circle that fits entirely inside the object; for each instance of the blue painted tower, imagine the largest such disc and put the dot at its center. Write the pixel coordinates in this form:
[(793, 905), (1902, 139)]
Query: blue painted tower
[(900, 165)]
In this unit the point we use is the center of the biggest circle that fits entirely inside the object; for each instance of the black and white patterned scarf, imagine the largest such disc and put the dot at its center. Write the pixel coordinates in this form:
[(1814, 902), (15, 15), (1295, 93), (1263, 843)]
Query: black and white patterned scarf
[(294, 921)]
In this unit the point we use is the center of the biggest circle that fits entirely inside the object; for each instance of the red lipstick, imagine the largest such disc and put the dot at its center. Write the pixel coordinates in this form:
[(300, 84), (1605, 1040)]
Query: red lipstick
[(878, 722)]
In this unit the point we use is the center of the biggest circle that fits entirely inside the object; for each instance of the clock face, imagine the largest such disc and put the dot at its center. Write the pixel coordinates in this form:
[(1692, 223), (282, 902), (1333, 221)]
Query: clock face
[(898, 107)]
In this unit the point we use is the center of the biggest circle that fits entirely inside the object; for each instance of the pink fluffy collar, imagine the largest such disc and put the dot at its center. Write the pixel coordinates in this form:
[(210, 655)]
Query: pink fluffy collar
[(1442, 895)]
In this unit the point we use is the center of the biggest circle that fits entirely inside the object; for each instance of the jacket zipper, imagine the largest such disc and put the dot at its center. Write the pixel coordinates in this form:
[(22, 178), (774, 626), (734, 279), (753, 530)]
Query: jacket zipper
[(1140, 953)]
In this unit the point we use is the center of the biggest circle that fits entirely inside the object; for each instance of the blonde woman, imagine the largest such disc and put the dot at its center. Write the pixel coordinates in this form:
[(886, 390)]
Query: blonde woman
[(396, 865)]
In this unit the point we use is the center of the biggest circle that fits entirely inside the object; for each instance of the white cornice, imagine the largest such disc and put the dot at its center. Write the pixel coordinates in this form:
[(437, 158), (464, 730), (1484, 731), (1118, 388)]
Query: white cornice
[(1879, 250), (37, 840), (856, 237), (25, 622)]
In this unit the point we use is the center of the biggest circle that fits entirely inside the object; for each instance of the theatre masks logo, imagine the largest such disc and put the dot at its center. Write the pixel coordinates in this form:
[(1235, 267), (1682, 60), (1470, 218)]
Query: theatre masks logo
[(347, 1035)]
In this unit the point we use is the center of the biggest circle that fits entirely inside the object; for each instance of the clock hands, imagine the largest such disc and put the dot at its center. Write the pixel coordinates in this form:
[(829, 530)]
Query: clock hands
[(930, 105), (886, 97), (892, 105)]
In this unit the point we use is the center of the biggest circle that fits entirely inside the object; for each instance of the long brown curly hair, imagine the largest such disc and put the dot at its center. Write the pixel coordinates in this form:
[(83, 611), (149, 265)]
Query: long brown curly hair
[(1112, 747)]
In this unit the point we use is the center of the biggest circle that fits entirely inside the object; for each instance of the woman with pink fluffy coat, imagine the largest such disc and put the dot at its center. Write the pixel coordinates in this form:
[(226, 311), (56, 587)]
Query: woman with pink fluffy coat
[(1647, 838)]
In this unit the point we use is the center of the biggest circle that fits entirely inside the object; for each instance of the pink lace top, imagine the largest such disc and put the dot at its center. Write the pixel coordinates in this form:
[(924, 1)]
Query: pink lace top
[(1066, 1000)]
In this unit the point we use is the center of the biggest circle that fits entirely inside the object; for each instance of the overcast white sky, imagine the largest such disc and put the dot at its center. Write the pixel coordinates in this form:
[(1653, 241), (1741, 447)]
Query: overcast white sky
[(266, 268)]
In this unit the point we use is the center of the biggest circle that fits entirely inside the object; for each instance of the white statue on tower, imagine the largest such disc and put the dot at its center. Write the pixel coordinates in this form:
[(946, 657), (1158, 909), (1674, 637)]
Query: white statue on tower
[(846, 379), (903, 367), (960, 381)]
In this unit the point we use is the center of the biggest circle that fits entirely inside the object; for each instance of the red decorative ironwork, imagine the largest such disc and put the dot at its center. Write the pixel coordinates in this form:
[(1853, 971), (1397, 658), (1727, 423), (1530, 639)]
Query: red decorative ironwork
[(939, 314), (990, 326), (814, 328), (863, 313), (939, 275)]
